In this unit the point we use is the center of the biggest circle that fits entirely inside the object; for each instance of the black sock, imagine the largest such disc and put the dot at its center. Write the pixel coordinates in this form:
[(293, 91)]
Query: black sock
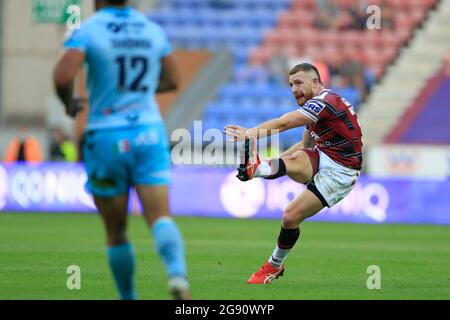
[(279, 168), (288, 237)]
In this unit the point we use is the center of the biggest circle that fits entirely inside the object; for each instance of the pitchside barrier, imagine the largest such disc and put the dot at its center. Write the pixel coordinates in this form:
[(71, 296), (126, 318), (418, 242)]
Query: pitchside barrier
[(215, 192)]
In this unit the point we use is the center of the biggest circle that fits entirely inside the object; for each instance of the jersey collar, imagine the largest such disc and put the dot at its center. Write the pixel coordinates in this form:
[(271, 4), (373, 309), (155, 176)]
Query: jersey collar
[(117, 9), (323, 90)]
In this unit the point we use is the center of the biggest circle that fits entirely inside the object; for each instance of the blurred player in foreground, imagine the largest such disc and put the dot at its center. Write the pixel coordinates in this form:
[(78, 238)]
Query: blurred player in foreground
[(125, 144), (327, 160)]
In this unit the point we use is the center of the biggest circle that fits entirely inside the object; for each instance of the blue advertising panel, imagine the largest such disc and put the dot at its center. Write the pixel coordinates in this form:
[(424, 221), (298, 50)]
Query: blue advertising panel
[(215, 192)]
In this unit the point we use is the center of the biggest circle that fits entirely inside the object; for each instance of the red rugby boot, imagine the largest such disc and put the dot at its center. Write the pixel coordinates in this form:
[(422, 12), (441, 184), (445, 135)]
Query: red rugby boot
[(250, 161), (266, 274)]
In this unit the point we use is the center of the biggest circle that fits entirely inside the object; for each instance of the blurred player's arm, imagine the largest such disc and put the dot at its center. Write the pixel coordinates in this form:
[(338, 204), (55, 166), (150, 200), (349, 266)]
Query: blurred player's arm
[(169, 78), (64, 77), (307, 142), (287, 121)]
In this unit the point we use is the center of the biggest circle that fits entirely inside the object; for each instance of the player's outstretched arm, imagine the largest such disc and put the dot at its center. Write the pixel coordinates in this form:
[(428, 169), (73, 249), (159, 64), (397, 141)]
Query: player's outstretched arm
[(64, 76), (287, 121)]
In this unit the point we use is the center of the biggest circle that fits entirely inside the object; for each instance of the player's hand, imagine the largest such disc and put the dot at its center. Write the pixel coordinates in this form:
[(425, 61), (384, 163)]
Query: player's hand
[(76, 105), (235, 133)]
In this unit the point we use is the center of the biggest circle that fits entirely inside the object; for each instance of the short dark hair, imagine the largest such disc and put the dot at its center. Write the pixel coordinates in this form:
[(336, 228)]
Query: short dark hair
[(306, 67)]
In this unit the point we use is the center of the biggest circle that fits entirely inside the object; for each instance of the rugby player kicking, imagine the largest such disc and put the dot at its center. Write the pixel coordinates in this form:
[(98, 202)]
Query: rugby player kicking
[(328, 159)]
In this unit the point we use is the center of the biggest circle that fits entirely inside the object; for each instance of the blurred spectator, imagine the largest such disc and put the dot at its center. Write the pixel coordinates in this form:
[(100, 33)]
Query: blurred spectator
[(287, 57), (62, 148), (278, 66), (334, 63), (369, 78), (319, 61), (346, 71), (23, 148), (387, 16), (297, 55), (357, 11), (327, 15), (344, 87), (283, 60), (359, 76), (323, 71), (358, 15)]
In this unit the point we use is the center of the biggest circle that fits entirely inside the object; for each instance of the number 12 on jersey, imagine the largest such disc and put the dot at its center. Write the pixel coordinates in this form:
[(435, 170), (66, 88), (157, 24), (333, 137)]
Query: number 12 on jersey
[(138, 63)]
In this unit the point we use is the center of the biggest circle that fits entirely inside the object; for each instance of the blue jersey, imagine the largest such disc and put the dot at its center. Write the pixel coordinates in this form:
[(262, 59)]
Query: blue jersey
[(123, 51)]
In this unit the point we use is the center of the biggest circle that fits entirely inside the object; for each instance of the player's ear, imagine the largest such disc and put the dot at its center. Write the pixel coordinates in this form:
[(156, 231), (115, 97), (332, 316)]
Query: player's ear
[(315, 82)]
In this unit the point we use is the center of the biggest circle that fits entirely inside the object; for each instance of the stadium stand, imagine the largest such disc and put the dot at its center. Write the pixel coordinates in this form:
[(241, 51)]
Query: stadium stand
[(427, 112), (267, 37), (387, 107)]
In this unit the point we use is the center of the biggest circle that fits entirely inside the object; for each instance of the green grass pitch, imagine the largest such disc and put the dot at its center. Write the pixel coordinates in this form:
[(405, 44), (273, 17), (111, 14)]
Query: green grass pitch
[(329, 262)]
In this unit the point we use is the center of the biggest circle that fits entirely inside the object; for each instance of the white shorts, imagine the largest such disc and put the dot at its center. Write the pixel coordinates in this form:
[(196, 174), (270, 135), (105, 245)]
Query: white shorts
[(333, 181)]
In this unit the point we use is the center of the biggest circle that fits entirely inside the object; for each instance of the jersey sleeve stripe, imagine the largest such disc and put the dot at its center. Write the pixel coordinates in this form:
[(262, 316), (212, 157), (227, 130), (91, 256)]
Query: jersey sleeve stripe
[(309, 115)]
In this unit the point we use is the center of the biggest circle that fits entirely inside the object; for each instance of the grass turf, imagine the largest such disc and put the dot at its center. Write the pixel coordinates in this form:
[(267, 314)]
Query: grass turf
[(329, 262)]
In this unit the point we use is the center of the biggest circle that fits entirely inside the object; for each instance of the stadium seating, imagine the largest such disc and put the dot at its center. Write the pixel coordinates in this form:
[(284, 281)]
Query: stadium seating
[(427, 112), (433, 113), (255, 30)]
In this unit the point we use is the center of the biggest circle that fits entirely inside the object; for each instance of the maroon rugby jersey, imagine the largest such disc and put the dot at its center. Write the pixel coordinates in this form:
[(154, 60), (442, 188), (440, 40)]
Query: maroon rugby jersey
[(335, 128)]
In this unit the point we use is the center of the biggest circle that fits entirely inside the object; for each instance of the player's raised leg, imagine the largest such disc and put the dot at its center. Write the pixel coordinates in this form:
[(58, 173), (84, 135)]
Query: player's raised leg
[(251, 166), (168, 239), (113, 211), (300, 166)]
